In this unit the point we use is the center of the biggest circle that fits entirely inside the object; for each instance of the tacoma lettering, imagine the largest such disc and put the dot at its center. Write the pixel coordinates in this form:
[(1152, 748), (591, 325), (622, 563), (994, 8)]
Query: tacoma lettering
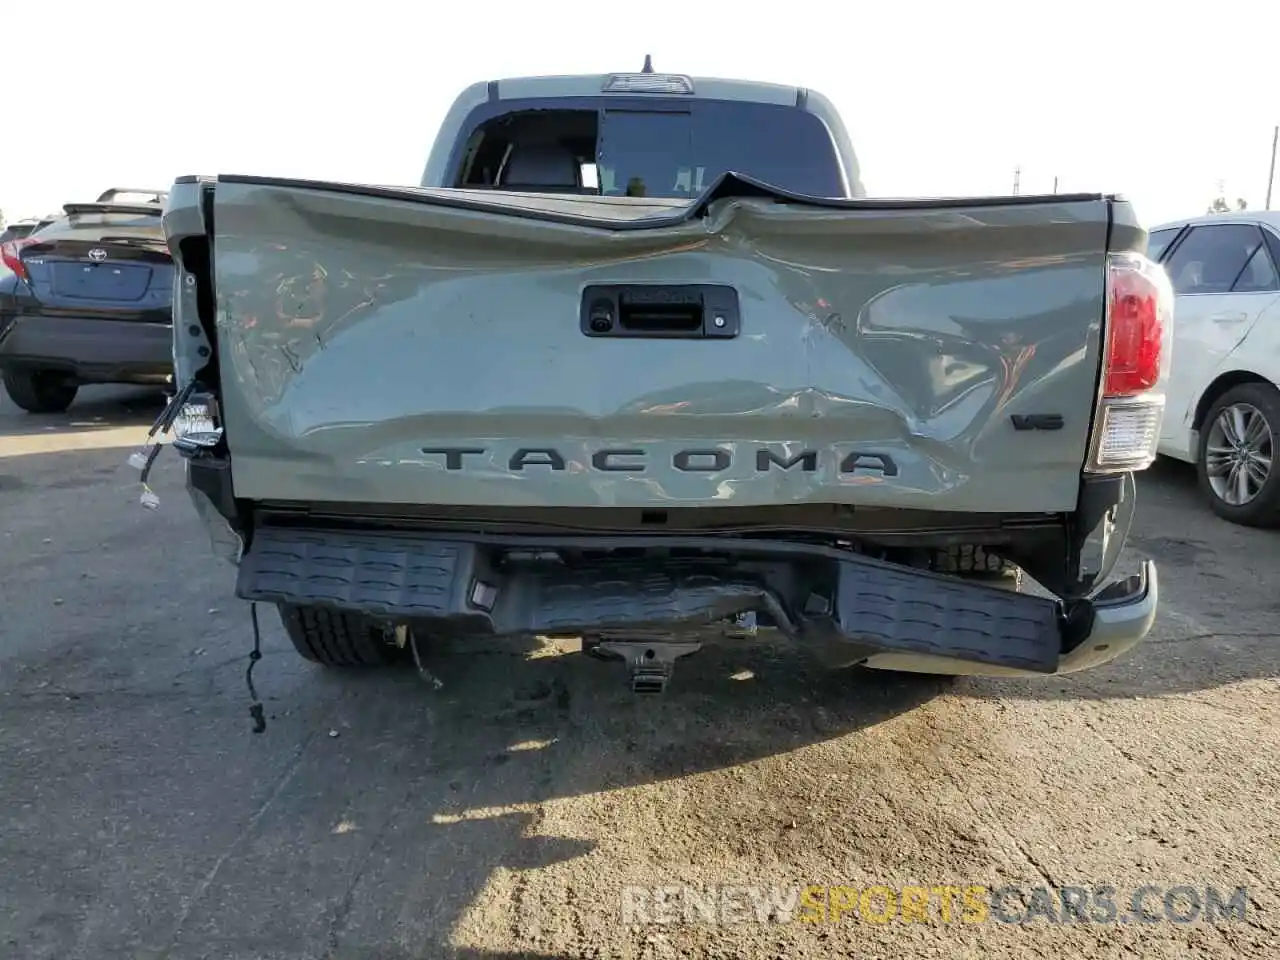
[(854, 460), (453, 455), (699, 460), (685, 460), (603, 460), (546, 458), (765, 458)]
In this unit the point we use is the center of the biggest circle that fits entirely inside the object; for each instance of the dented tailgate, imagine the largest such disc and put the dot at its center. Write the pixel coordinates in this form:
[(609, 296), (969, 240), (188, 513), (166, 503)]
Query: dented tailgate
[(435, 347)]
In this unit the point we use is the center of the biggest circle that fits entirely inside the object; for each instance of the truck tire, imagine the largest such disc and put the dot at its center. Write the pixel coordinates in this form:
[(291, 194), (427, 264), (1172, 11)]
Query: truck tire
[(1255, 403), (336, 639), (40, 391)]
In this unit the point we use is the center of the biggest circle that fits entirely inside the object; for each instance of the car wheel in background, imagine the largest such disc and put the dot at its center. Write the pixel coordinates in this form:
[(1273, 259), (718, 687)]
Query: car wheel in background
[(40, 391), (1236, 461)]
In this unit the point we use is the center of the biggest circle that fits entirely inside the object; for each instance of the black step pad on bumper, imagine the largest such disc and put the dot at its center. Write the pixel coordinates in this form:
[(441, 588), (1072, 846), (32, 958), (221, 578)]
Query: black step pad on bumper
[(880, 606), (948, 618)]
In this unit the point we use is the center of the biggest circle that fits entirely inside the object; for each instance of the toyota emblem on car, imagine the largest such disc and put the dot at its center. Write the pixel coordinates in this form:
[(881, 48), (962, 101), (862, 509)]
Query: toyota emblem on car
[(97, 254)]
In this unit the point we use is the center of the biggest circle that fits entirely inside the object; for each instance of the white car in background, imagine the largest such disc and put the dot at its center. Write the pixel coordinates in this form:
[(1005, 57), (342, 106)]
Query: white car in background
[(1223, 407)]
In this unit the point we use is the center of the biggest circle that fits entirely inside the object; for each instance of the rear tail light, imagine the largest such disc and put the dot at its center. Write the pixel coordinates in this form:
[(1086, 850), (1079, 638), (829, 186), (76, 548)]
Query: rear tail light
[(1137, 344), (9, 255)]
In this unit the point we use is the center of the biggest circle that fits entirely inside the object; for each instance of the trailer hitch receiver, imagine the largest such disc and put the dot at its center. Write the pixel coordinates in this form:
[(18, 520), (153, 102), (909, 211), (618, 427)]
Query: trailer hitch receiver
[(649, 663)]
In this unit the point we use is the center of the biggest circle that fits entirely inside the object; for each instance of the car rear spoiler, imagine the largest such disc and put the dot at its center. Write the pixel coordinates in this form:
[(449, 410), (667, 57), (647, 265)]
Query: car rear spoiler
[(108, 195), (106, 202), (141, 209)]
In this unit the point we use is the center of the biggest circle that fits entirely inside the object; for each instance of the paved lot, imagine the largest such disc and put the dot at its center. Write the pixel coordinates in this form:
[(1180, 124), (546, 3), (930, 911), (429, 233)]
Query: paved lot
[(501, 815)]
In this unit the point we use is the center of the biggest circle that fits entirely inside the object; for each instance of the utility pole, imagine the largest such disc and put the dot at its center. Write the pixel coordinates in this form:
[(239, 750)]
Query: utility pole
[(1055, 184), (1017, 179), (1271, 177)]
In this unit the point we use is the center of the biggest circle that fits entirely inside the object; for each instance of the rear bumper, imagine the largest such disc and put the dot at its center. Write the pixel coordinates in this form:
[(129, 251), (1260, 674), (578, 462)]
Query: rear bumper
[(853, 609), (92, 350), (1118, 624)]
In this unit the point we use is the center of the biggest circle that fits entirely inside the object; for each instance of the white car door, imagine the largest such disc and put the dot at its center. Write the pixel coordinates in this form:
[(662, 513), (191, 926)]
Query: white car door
[(1223, 279)]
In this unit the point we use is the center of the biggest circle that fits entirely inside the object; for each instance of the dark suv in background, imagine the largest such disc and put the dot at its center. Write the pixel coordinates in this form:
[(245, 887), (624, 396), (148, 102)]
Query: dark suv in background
[(86, 298)]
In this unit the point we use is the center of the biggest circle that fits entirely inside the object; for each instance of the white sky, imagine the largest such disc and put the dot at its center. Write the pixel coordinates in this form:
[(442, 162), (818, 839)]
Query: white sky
[(1158, 101)]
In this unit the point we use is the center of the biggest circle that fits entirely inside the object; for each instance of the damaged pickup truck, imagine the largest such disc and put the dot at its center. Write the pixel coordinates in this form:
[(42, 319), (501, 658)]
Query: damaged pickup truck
[(640, 362)]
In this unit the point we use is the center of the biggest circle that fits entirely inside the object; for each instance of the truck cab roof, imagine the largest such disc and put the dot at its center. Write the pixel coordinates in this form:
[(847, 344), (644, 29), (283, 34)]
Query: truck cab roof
[(643, 84)]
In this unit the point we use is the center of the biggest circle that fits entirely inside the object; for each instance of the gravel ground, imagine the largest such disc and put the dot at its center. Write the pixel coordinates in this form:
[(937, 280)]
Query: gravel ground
[(503, 815)]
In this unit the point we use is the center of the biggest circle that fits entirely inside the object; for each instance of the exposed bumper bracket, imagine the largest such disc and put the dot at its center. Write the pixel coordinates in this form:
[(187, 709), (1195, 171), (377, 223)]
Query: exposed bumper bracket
[(503, 585)]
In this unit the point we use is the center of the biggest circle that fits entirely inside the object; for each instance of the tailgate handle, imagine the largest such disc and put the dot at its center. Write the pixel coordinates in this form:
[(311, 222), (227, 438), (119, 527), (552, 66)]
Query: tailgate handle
[(694, 311), (1229, 317)]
